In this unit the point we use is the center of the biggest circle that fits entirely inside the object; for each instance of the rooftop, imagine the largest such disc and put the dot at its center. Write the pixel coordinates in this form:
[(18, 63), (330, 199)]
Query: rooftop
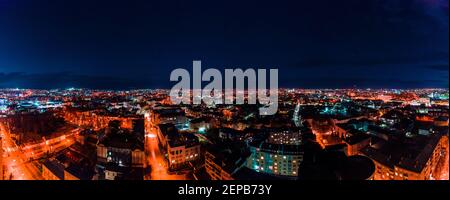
[(410, 153), (55, 167), (122, 139)]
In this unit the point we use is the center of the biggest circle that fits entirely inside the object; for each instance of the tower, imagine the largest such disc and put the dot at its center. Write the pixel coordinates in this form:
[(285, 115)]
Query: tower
[(297, 118)]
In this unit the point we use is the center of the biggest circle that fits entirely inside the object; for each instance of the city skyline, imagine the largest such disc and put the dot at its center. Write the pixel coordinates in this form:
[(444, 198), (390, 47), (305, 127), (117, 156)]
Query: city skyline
[(346, 134), (235, 90)]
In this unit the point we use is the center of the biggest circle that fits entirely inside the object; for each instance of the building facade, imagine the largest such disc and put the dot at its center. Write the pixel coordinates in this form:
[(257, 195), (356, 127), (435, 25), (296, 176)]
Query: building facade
[(215, 169), (280, 154)]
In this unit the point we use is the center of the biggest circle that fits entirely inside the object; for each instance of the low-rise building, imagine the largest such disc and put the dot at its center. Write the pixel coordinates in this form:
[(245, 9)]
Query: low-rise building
[(412, 159), (1, 159), (119, 154), (224, 163), (170, 115), (181, 148), (68, 165)]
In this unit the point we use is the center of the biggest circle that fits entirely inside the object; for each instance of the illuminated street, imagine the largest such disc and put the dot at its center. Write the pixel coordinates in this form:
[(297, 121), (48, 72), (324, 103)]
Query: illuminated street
[(157, 161), (19, 162), (17, 165)]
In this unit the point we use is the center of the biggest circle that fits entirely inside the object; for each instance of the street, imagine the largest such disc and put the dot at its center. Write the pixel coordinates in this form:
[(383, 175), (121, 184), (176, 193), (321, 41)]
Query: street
[(157, 161), (19, 162)]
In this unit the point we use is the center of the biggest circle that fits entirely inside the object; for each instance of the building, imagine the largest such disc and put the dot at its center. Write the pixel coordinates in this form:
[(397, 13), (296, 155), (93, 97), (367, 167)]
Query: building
[(392, 117), (68, 165), (231, 134), (1, 159), (222, 163), (413, 159), (326, 131), (52, 170), (120, 155), (333, 164), (280, 153), (170, 115), (200, 125), (215, 168), (181, 148), (441, 121), (98, 119), (354, 134), (356, 142)]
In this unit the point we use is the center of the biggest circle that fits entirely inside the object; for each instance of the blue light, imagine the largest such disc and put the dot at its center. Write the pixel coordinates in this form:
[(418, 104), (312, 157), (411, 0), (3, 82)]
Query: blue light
[(202, 130)]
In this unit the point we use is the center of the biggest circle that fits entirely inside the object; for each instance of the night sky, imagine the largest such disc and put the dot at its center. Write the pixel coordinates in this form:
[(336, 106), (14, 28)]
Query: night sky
[(136, 44)]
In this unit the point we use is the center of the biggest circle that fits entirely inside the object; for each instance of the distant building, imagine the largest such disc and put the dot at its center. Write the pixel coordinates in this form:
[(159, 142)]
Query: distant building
[(441, 121), (200, 125), (231, 134), (98, 119), (424, 127), (171, 115), (392, 117)]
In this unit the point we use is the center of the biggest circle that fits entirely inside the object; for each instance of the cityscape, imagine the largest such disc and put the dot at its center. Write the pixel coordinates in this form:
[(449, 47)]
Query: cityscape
[(316, 134), (270, 95)]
